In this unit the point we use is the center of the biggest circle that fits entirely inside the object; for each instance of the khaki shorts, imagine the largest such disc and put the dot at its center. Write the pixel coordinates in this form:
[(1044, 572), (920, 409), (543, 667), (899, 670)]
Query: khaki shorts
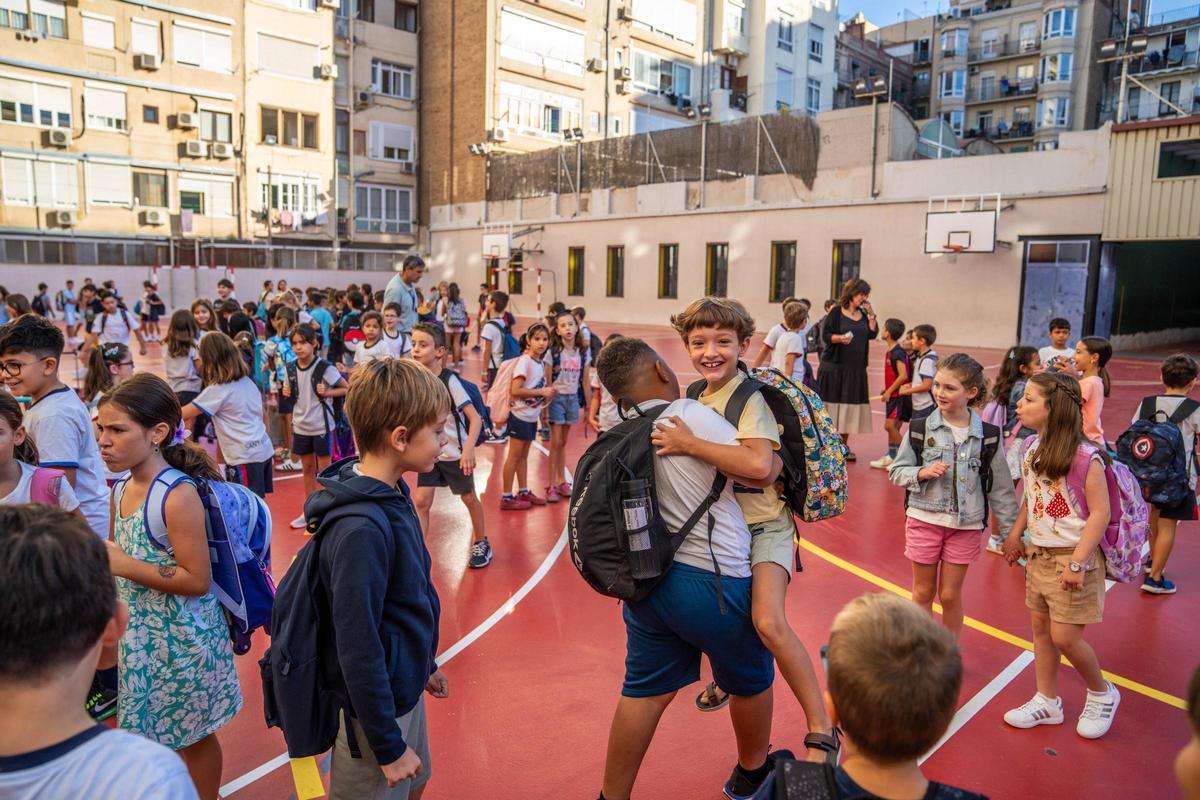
[(1044, 593), (361, 778), (773, 542)]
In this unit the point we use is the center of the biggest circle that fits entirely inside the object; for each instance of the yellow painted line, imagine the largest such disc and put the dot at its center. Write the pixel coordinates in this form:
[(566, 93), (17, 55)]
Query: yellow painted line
[(307, 778), (983, 627)]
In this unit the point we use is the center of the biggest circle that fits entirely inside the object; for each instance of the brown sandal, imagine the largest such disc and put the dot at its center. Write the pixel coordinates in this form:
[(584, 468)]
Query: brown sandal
[(831, 743), (713, 698)]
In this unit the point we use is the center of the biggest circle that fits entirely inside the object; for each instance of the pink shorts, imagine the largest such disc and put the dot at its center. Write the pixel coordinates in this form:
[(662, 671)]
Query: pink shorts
[(926, 543)]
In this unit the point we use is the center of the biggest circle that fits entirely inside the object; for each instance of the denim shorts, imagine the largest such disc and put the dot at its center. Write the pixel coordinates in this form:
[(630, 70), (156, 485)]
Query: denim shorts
[(564, 409)]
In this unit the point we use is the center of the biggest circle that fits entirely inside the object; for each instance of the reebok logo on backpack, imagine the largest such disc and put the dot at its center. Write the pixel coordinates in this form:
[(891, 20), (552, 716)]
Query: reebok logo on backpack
[(1154, 451)]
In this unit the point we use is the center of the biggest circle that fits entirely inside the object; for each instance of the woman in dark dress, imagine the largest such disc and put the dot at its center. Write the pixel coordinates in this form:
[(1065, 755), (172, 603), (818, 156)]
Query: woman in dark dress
[(842, 381)]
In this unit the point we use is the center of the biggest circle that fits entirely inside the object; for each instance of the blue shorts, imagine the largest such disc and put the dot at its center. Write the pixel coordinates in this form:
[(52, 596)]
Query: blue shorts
[(667, 631), (564, 409), (521, 430)]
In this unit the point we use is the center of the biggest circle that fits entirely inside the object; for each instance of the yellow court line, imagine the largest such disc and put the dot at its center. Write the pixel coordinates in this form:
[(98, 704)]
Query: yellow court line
[(307, 778), (983, 627)]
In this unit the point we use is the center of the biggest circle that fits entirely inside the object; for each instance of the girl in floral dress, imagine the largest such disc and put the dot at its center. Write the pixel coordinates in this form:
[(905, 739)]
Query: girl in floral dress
[(177, 682)]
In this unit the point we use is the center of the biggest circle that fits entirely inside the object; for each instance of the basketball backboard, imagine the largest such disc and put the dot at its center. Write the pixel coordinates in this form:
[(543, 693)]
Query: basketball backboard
[(965, 224)]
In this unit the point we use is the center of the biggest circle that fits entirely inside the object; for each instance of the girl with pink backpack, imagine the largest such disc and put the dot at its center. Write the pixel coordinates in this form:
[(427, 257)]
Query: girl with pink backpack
[(21, 480)]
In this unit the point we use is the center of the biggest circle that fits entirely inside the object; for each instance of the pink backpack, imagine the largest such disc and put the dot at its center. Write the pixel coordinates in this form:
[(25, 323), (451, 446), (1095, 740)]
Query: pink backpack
[(1129, 523), (499, 396), (44, 485)]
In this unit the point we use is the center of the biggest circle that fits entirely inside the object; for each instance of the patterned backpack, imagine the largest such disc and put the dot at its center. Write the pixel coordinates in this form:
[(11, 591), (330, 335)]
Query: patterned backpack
[(814, 458)]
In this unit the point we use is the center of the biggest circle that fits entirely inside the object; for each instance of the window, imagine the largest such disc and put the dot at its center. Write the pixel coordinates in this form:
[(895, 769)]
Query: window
[(1056, 68), (48, 17), (206, 194), (783, 88), (294, 193), (952, 83), (668, 271), (288, 128), (847, 256), (816, 42), (535, 41), (150, 114), (364, 10), (387, 142), (783, 270), (1052, 113), (39, 182), (150, 189), (143, 36), (1179, 159), (99, 31), (955, 120), (382, 209), (104, 108), (288, 57), (954, 42), (575, 271), (1058, 23), (393, 80), (812, 96), (405, 18), (205, 48), (716, 274), (1170, 94), (26, 102), (735, 16), (216, 126), (787, 26), (615, 286), (109, 184)]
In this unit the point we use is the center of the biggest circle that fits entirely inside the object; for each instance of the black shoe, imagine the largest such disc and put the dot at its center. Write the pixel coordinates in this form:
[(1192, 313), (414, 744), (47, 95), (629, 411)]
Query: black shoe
[(101, 702), (741, 787)]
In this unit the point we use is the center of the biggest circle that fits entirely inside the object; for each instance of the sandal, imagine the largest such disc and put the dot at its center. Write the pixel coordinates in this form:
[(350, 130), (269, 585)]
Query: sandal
[(831, 743), (713, 698)]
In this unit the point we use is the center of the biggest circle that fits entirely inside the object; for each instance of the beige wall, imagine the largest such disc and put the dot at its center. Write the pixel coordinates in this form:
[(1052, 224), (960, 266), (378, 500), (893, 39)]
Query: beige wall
[(1140, 206)]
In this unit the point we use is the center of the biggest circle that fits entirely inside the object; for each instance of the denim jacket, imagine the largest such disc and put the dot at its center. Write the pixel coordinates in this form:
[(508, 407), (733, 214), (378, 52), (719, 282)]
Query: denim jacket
[(958, 491)]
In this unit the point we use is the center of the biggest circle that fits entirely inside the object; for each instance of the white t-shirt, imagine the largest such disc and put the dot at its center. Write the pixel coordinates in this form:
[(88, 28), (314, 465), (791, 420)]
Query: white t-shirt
[(100, 762), (1050, 352), (528, 409), (609, 416), (365, 353), (789, 342), (398, 346), (570, 368), (116, 327), (236, 411), (493, 331), (181, 372), (1189, 428), (772, 337), (682, 483), (946, 519), (924, 366), (455, 423), (310, 414), (67, 500), (61, 427)]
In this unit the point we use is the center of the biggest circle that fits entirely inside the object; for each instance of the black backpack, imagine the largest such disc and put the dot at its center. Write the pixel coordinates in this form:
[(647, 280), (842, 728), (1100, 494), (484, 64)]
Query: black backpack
[(599, 549), (304, 693), (991, 441)]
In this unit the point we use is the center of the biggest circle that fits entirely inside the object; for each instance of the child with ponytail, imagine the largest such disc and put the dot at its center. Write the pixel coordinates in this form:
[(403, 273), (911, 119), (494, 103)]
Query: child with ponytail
[(177, 681), (1091, 358)]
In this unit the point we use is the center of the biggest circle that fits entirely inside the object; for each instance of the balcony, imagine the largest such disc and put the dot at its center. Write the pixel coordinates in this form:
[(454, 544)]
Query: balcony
[(1165, 61), (998, 49), (1001, 91)]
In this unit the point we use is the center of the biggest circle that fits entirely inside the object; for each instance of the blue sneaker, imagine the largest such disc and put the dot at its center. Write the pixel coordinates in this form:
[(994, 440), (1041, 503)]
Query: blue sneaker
[(741, 787), (1161, 586)]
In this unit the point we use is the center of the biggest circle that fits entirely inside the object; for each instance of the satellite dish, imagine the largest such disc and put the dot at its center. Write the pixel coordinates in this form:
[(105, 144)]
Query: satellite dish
[(937, 140), (982, 147)]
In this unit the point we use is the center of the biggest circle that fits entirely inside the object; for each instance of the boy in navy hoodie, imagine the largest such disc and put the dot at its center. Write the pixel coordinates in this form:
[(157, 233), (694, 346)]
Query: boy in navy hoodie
[(384, 609)]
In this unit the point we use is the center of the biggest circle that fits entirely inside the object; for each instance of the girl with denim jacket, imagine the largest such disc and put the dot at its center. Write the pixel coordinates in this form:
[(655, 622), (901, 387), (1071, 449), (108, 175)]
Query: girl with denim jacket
[(946, 505)]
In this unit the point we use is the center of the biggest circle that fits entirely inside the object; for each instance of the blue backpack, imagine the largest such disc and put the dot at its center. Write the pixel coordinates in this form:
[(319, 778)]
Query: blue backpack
[(1154, 450), (511, 347), (477, 401), (238, 527)]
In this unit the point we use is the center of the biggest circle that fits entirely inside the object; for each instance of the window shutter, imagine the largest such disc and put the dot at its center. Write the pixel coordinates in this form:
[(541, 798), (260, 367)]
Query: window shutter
[(111, 184)]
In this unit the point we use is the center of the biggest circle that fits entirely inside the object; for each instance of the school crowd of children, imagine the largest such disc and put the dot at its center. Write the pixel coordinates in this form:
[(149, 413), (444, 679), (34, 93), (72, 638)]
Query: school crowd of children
[(353, 392)]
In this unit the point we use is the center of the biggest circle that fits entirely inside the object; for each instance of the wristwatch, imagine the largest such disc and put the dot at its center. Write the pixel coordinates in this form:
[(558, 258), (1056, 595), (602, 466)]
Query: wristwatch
[(1076, 566)]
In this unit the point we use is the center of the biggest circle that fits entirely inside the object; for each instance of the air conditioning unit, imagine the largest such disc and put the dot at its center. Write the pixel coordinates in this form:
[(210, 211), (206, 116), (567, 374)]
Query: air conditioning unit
[(597, 65), (625, 12), (154, 216), (622, 87), (406, 167), (498, 135), (57, 137), (194, 149), (150, 61), (334, 4), (64, 219), (623, 74), (187, 120), (221, 150), (327, 72)]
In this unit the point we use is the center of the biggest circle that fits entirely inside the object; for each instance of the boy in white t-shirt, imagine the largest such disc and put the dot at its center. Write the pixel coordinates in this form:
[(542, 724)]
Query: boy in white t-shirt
[(1057, 356), (787, 355), (55, 571)]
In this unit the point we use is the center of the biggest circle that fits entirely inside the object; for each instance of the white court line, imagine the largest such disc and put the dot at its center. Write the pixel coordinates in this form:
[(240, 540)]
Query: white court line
[(504, 610)]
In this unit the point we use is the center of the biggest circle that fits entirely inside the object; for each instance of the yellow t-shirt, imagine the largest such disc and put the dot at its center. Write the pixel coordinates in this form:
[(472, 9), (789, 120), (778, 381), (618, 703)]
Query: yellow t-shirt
[(757, 422)]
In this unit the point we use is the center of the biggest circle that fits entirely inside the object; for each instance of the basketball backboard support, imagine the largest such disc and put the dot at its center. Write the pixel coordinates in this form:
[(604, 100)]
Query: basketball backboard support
[(968, 222)]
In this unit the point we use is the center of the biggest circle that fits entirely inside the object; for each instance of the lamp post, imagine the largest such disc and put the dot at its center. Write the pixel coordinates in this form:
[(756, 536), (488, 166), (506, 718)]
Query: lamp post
[(873, 88)]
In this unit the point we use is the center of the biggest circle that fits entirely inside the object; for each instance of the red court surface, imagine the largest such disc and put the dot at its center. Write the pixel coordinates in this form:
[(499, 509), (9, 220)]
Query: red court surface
[(535, 658)]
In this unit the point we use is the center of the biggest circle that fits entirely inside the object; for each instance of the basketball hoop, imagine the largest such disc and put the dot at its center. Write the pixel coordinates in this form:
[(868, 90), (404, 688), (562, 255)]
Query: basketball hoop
[(951, 251)]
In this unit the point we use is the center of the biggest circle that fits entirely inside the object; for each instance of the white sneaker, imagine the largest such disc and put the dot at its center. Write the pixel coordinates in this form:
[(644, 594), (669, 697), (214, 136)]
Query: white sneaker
[(882, 463), (1040, 710), (1098, 713), (299, 523)]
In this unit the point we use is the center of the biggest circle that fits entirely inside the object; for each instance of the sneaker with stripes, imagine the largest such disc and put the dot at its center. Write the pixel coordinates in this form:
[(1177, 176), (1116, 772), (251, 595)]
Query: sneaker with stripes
[(1040, 710), (1098, 713)]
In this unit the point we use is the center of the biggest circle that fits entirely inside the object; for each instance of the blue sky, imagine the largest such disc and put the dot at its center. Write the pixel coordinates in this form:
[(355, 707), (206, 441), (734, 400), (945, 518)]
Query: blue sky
[(886, 12)]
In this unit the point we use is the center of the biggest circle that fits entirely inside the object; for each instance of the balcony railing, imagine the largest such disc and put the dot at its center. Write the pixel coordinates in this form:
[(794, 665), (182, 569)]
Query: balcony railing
[(1002, 91), (1004, 49), (1169, 58)]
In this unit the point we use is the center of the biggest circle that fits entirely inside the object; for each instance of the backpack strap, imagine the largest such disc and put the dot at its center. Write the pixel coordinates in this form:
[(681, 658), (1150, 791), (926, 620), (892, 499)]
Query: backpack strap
[(45, 485)]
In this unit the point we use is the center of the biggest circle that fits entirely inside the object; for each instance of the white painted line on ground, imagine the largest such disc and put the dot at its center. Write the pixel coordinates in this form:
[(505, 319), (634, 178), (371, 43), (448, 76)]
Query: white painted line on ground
[(504, 610)]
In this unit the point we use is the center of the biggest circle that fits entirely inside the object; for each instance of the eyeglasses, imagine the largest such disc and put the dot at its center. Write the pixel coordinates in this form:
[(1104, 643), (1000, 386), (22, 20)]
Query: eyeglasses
[(13, 368)]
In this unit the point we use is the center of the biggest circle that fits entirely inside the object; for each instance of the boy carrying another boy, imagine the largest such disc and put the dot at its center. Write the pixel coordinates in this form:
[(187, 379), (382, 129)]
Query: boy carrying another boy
[(924, 367), (682, 617), (56, 581), (716, 332), (455, 466)]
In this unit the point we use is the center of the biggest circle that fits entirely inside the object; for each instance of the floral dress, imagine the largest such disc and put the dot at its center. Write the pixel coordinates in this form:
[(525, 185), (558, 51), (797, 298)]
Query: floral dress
[(177, 680)]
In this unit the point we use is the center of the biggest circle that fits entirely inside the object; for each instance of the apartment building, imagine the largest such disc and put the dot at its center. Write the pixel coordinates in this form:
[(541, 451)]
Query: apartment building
[(1168, 69), (860, 56)]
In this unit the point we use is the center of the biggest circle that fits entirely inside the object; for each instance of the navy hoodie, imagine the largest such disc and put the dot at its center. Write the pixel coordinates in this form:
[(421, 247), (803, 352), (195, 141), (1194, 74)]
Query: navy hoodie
[(384, 607)]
